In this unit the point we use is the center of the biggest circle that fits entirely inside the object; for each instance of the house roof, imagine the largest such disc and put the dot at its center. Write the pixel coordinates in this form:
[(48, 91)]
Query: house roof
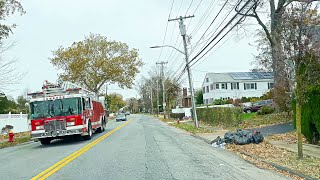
[(238, 76)]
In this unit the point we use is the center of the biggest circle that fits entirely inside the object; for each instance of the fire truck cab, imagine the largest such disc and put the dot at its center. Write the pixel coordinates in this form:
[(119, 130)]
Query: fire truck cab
[(65, 109)]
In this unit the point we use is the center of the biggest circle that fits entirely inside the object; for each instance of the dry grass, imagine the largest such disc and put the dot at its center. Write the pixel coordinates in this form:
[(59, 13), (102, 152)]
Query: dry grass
[(265, 151), (16, 135)]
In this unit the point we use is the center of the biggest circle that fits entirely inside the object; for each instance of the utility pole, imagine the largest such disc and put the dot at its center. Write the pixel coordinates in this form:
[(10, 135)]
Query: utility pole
[(151, 101), (182, 28), (163, 88), (158, 98)]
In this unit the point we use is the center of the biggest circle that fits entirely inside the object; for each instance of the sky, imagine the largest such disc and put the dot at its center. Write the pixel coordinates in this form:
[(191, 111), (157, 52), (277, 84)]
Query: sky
[(141, 24)]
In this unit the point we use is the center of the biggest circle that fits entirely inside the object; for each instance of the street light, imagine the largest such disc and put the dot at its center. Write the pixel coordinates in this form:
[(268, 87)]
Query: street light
[(168, 46), (189, 76)]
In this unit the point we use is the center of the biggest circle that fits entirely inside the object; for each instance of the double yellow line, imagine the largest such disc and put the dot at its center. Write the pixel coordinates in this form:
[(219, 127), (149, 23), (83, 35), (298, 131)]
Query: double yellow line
[(51, 170)]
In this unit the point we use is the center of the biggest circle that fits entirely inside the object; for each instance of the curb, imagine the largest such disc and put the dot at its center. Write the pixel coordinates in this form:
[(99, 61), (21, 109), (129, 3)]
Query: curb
[(279, 167)]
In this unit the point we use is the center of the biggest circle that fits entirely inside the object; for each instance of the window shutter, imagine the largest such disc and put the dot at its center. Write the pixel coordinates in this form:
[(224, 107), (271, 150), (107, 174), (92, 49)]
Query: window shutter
[(237, 85), (226, 85), (255, 85), (268, 85), (244, 85), (232, 86)]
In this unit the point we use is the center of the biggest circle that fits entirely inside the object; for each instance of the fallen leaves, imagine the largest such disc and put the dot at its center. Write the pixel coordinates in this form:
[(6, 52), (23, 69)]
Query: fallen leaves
[(290, 137), (265, 151)]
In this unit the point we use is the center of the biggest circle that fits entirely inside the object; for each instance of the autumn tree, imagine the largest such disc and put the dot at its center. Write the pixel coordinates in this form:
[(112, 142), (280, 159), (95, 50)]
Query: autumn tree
[(275, 11), (97, 60), (301, 47), (115, 102)]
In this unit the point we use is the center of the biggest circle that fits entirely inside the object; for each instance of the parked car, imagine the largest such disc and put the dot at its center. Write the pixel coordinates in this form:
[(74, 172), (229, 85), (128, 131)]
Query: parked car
[(257, 106), (121, 117), (127, 113)]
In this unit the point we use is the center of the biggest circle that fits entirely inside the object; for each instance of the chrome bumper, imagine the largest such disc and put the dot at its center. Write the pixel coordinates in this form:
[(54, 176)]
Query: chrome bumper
[(54, 134)]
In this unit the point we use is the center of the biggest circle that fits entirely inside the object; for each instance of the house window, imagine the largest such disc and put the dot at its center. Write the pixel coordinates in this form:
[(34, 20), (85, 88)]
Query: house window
[(217, 86), (234, 86), (248, 86), (270, 85), (211, 87), (207, 89), (224, 86), (204, 90), (207, 79)]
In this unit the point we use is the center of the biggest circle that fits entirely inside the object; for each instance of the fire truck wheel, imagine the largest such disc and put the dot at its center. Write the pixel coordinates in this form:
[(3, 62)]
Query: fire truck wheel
[(88, 137), (103, 126), (45, 141)]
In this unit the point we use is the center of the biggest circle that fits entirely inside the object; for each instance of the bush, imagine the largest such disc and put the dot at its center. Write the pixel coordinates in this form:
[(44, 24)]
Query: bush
[(220, 116), (310, 115), (266, 110)]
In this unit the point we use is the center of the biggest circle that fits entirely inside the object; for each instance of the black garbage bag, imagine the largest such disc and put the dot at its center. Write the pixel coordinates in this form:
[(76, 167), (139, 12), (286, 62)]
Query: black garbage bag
[(257, 137), (229, 137), (218, 140), (242, 137)]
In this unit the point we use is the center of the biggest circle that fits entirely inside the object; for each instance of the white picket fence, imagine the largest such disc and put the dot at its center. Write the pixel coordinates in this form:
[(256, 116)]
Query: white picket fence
[(19, 122)]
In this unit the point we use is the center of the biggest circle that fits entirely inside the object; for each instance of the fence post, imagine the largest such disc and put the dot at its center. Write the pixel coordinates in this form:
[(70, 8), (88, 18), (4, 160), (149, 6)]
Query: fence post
[(9, 115), (20, 115)]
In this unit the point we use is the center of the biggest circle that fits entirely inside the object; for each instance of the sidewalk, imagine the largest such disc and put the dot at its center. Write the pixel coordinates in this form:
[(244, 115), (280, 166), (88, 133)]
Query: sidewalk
[(308, 149)]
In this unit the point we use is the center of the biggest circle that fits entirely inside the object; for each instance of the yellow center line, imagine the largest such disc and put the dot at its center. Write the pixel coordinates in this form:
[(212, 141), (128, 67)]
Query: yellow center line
[(54, 168)]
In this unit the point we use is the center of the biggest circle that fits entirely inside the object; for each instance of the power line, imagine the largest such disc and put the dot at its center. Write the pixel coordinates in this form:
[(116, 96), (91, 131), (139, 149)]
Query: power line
[(165, 34), (189, 7), (211, 24), (204, 17), (229, 22), (223, 35), (214, 30)]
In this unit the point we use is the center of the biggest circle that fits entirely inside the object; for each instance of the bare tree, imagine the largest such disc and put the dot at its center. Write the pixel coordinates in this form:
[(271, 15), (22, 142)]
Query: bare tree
[(9, 75), (276, 11)]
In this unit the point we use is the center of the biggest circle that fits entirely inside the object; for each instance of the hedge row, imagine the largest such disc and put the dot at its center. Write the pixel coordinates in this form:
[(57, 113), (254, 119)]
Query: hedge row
[(310, 114), (220, 116)]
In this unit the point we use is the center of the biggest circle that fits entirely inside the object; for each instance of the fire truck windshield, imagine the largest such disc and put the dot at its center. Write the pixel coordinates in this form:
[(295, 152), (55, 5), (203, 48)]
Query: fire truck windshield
[(57, 107)]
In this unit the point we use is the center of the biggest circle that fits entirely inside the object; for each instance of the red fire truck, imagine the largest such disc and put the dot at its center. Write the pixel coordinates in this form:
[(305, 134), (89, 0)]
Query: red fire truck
[(64, 109)]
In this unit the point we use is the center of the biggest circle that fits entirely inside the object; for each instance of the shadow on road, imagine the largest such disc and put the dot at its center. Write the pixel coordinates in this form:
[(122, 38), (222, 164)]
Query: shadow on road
[(71, 140)]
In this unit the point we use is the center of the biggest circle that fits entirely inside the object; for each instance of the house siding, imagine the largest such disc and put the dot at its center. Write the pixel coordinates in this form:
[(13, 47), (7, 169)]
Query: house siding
[(261, 85)]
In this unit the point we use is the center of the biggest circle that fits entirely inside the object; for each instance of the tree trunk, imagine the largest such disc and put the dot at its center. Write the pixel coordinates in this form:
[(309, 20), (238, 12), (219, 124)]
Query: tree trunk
[(298, 125)]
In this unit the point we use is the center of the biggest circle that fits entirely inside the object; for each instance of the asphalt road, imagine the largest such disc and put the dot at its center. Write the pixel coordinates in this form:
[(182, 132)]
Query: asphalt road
[(145, 148)]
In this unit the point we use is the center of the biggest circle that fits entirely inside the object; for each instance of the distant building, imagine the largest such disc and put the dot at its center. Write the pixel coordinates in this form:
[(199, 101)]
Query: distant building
[(186, 98), (235, 85)]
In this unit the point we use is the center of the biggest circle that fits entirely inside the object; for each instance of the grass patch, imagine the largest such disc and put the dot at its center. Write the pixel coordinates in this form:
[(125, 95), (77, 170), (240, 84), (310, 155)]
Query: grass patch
[(18, 140), (190, 128), (252, 120), (247, 116)]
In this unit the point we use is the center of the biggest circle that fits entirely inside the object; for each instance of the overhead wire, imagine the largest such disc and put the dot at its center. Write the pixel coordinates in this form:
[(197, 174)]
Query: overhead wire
[(165, 34), (193, 59), (229, 22), (211, 24), (216, 36), (214, 30)]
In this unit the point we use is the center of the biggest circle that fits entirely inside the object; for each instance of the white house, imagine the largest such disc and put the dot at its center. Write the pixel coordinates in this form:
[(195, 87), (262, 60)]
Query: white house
[(235, 85)]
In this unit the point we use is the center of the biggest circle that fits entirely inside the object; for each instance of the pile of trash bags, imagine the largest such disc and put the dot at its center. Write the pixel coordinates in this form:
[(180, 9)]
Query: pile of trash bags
[(240, 137)]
